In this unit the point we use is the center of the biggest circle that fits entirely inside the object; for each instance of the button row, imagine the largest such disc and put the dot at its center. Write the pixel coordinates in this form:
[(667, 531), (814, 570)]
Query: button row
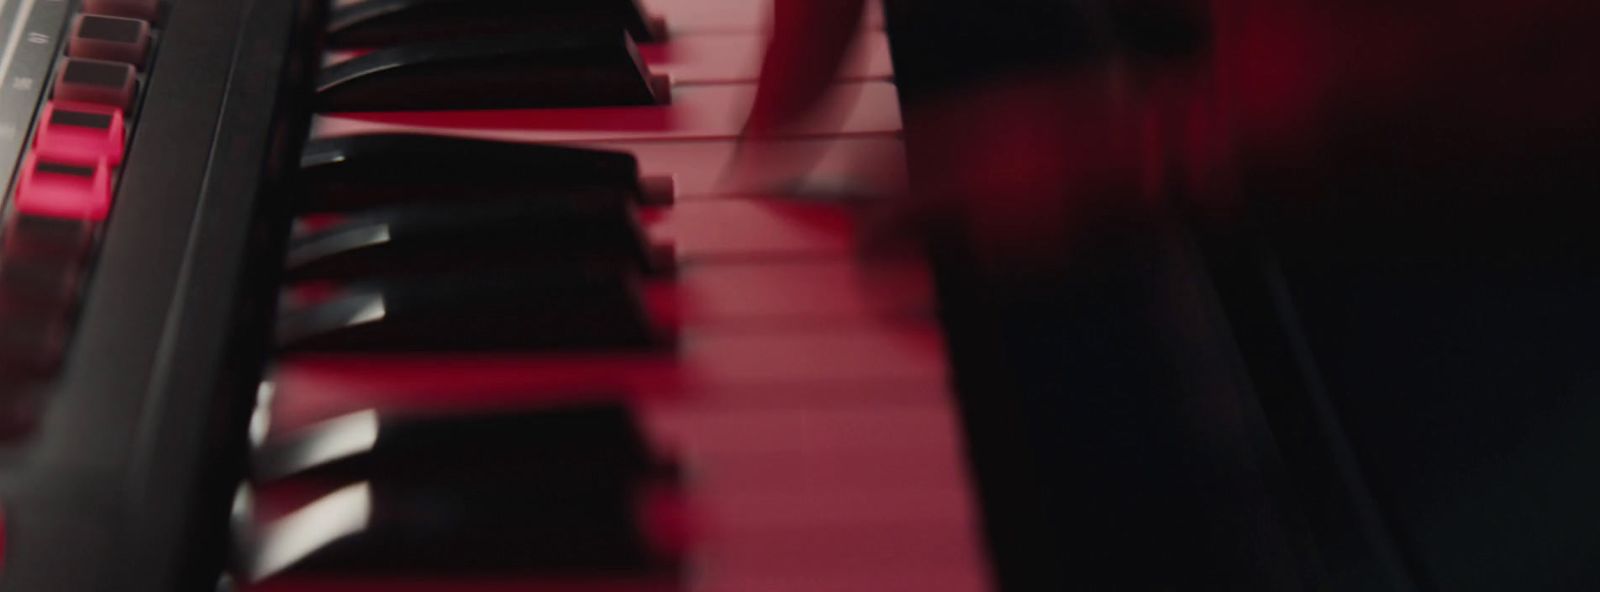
[(65, 187), (82, 136)]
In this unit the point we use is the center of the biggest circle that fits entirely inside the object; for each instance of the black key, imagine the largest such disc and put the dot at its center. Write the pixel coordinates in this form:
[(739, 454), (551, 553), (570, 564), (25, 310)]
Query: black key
[(540, 232), (481, 527), (356, 172), (375, 23), (545, 310), (577, 445), (575, 69), (555, 489)]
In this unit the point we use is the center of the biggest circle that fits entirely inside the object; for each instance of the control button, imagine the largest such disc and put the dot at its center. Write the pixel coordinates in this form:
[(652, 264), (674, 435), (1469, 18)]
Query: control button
[(80, 133), (95, 81), (58, 190), (38, 282), (32, 341), (109, 38), (139, 9), (55, 239)]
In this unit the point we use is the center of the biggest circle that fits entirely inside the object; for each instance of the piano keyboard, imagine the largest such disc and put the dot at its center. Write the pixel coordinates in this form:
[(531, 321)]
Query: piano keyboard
[(783, 414)]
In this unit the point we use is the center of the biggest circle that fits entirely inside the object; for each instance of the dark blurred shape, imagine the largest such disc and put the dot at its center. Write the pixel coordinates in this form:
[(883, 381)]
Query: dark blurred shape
[(377, 170), (575, 68), (1267, 295), (510, 235), (384, 22)]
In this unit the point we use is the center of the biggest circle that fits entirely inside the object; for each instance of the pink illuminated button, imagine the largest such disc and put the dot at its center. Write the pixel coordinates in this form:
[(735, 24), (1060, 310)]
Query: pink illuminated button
[(80, 133), (139, 9), (109, 38), (59, 190), (96, 81)]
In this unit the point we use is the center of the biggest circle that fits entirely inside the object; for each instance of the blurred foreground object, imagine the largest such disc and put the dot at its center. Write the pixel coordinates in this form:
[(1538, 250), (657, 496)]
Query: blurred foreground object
[(1263, 295)]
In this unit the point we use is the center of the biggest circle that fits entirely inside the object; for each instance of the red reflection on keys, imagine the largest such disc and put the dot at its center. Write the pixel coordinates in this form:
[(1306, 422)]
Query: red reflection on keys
[(60, 190), (80, 133), (749, 229)]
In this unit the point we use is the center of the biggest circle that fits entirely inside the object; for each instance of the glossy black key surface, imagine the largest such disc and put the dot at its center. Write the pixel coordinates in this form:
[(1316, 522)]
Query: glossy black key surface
[(354, 172), (538, 232), (374, 23), (527, 311), (482, 527), (570, 445), (574, 69), (552, 489)]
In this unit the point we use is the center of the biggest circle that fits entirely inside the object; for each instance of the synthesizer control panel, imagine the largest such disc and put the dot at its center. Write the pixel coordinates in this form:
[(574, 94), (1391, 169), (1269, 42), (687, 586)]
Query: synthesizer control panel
[(70, 102), (137, 138)]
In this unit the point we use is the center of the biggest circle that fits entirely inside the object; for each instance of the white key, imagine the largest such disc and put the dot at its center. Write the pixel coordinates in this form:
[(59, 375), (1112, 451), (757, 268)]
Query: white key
[(781, 293), (866, 165), (701, 59), (729, 16), (737, 229), (859, 356)]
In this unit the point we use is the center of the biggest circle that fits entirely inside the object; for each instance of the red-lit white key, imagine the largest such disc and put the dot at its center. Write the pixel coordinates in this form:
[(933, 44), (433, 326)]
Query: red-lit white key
[(828, 356), (867, 165), (80, 133), (696, 112), (60, 190), (737, 229), (783, 292), (701, 59), (728, 16)]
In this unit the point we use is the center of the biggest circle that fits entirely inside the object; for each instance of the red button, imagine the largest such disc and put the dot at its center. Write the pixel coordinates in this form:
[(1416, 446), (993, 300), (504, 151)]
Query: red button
[(80, 133), (62, 190)]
